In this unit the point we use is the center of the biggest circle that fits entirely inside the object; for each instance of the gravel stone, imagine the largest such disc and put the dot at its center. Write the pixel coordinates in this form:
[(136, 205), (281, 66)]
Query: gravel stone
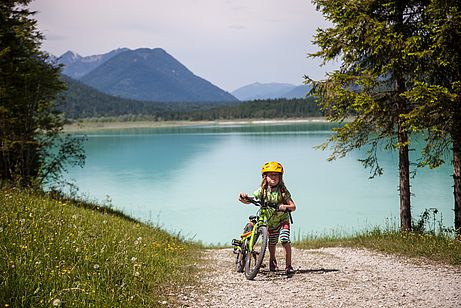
[(326, 277)]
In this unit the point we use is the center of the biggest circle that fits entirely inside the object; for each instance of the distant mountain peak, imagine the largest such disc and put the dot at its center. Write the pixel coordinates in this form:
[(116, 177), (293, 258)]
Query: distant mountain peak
[(76, 66), (145, 74), (258, 90), (69, 57), (150, 50)]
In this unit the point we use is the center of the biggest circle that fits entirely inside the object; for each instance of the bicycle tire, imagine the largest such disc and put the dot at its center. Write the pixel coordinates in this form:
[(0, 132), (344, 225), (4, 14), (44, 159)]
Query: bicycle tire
[(254, 259), (240, 260)]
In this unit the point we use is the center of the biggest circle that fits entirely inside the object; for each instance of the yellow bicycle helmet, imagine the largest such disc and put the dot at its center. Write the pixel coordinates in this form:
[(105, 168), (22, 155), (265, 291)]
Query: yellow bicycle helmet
[(272, 166)]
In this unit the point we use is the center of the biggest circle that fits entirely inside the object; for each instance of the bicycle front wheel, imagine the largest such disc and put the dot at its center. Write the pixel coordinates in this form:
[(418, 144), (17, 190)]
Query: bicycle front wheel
[(254, 258)]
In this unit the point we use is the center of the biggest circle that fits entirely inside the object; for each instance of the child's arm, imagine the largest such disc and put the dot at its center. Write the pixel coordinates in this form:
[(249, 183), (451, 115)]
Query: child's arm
[(289, 206)]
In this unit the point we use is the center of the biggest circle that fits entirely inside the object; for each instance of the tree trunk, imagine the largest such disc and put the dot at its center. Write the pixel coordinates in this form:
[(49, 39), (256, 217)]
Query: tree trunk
[(457, 182), (404, 173), (404, 160)]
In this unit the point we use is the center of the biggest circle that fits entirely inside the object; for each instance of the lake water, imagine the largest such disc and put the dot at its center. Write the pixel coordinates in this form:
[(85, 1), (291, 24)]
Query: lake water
[(187, 179)]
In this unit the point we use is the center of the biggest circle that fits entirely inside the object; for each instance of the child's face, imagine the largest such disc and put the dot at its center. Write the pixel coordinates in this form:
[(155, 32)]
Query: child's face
[(273, 178)]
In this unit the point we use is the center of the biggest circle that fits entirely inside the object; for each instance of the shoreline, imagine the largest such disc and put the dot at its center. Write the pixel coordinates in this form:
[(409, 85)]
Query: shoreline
[(116, 125)]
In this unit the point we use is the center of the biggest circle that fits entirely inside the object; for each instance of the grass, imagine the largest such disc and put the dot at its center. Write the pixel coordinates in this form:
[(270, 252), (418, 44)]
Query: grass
[(441, 248), (66, 253)]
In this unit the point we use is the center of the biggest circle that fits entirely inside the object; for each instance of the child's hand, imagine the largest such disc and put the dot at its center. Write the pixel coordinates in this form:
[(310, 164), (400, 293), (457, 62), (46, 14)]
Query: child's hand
[(283, 207), (290, 206), (243, 197)]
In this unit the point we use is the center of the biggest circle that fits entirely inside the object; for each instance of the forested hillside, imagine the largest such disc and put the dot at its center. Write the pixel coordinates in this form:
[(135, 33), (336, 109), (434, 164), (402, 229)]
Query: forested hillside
[(81, 101), (261, 109)]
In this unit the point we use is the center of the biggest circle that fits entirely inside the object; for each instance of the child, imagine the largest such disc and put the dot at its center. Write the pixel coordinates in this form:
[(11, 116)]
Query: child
[(273, 190)]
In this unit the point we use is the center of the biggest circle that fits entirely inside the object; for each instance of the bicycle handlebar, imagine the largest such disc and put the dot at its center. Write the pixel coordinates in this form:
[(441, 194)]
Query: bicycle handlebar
[(261, 203)]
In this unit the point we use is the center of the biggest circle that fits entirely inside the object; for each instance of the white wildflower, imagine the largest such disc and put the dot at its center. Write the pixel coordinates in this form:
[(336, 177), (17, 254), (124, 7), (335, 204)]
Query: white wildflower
[(96, 266), (57, 302), (134, 259)]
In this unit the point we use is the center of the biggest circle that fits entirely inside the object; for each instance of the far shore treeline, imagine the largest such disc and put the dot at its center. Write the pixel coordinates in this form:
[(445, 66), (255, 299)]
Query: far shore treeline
[(80, 101)]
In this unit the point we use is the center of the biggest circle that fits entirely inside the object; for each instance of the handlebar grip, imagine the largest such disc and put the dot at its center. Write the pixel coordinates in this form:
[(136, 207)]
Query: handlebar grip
[(254, 201)]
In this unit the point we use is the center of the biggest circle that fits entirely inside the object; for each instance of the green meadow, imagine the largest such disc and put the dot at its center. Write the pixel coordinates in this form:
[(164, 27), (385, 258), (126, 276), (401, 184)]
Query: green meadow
[(58, 252)]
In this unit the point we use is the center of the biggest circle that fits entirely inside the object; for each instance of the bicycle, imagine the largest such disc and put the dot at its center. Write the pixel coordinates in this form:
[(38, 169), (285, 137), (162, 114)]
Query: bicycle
[(251, 247)]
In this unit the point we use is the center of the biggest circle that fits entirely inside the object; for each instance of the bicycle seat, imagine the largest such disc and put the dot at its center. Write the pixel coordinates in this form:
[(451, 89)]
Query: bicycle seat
[(253, 217)]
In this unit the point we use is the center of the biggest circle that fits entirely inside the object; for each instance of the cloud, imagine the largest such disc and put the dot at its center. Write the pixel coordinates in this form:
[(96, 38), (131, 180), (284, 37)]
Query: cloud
[(229, 43), (238, 27), (54, 37)]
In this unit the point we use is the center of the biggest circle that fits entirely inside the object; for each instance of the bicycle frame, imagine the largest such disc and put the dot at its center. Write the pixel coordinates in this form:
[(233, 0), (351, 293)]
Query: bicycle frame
[(262, 221), (245, 247), (263, 216)]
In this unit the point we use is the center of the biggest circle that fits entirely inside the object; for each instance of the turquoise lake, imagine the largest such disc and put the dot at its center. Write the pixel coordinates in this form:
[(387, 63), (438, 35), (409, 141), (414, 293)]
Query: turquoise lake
[(187, 179)]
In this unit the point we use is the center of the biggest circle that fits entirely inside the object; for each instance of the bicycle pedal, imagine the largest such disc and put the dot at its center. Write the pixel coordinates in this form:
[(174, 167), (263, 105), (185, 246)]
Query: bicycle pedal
[(236, 242)]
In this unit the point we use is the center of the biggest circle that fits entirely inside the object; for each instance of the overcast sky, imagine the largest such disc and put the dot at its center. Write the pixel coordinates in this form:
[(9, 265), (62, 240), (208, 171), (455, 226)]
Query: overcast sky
[(230, 43)]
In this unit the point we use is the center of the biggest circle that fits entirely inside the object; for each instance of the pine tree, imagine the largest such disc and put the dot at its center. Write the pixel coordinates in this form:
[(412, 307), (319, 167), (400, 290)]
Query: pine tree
[(437, 91), (30, 127), (373, 40)]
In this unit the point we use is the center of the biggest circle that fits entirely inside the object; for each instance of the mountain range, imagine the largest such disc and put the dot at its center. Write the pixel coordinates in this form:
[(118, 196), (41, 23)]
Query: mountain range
[(142, 74), (154, 75), (258, 90)]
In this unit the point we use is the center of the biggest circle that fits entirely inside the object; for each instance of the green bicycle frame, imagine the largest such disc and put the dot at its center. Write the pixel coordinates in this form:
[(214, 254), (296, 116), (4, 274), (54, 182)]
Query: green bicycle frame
[(263, 217), (245, 248)]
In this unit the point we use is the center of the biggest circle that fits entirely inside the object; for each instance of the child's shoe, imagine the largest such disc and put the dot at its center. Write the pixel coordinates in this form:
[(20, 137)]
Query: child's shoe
[(289, 270), (273, 265)]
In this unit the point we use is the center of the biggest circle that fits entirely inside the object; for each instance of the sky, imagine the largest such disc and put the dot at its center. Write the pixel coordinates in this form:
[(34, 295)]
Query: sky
[(230, 43)]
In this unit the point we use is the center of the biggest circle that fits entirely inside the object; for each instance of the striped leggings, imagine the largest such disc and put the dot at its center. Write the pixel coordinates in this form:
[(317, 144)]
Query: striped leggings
[(282, 232)]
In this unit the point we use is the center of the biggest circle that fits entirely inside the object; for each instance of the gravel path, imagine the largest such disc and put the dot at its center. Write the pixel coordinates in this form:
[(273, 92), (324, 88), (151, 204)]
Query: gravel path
[(328, 277)]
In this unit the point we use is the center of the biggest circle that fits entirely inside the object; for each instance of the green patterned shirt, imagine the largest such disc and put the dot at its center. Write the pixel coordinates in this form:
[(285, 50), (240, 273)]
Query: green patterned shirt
[(276, 217)]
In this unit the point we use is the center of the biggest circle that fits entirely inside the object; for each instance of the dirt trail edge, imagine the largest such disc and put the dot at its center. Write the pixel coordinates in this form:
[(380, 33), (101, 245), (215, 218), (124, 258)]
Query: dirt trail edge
[(327, 277)]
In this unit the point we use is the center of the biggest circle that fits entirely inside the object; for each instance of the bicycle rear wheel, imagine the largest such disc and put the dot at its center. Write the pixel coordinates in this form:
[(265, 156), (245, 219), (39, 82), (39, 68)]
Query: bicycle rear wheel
[(240, 260), (254, 259)]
